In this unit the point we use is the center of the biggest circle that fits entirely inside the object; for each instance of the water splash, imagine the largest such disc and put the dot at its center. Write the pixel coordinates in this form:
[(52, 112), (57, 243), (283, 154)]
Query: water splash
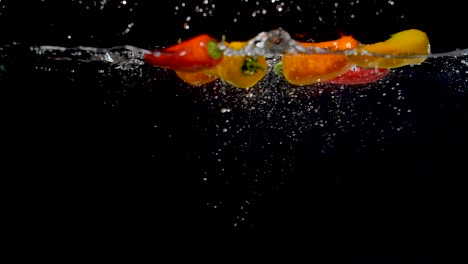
[(122, 56)]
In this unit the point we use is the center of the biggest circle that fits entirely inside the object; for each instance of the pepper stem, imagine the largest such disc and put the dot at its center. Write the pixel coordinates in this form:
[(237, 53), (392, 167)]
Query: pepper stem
[(278, 69), (250, 66), (213, 50)]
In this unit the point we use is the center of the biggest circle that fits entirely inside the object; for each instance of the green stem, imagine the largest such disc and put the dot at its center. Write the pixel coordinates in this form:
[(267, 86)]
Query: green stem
[(250, 66), (213, 50), (278, 69)]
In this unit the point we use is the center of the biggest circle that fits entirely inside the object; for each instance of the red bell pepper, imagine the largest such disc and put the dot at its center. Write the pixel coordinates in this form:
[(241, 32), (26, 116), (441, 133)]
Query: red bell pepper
[(191, 55), (358, 75)]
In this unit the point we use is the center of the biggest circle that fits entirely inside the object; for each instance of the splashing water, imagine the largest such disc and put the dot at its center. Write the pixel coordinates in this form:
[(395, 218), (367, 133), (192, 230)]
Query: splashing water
[(123, 56)]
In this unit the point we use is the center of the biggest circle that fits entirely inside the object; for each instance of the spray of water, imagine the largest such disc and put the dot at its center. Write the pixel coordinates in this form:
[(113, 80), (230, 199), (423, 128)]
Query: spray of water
[(271, 115)]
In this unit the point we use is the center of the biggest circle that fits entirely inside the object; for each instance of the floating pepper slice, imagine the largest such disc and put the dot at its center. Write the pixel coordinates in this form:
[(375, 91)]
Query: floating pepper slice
[(403, 48), (304, 69), (192, 55)]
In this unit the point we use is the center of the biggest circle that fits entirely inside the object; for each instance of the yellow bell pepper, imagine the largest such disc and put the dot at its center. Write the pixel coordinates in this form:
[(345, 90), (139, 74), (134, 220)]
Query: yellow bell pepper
[(412, 44), (242, 71)]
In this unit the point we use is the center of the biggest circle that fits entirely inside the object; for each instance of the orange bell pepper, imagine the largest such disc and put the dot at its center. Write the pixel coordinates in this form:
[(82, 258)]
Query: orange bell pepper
[(197, 78), (304, 69)]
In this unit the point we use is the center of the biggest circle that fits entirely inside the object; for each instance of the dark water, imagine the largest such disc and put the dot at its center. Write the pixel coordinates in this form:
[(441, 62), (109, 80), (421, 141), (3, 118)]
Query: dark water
[(356, 174)]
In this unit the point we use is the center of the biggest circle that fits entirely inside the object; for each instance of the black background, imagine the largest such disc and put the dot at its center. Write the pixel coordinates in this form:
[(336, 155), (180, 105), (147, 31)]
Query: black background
[(369, 197)]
